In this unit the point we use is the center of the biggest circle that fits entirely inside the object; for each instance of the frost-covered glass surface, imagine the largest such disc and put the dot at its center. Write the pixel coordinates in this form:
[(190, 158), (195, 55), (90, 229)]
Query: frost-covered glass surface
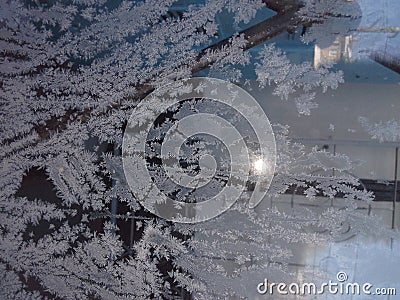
[(326, 74)]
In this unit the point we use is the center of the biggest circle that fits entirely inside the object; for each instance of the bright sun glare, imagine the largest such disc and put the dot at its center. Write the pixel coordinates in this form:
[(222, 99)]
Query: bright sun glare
[(259, 165)]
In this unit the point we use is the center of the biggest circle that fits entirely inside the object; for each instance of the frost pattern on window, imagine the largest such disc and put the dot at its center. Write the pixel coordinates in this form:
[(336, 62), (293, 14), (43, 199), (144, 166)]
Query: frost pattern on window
[(71, 72), (299, 80), (388, 131)]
